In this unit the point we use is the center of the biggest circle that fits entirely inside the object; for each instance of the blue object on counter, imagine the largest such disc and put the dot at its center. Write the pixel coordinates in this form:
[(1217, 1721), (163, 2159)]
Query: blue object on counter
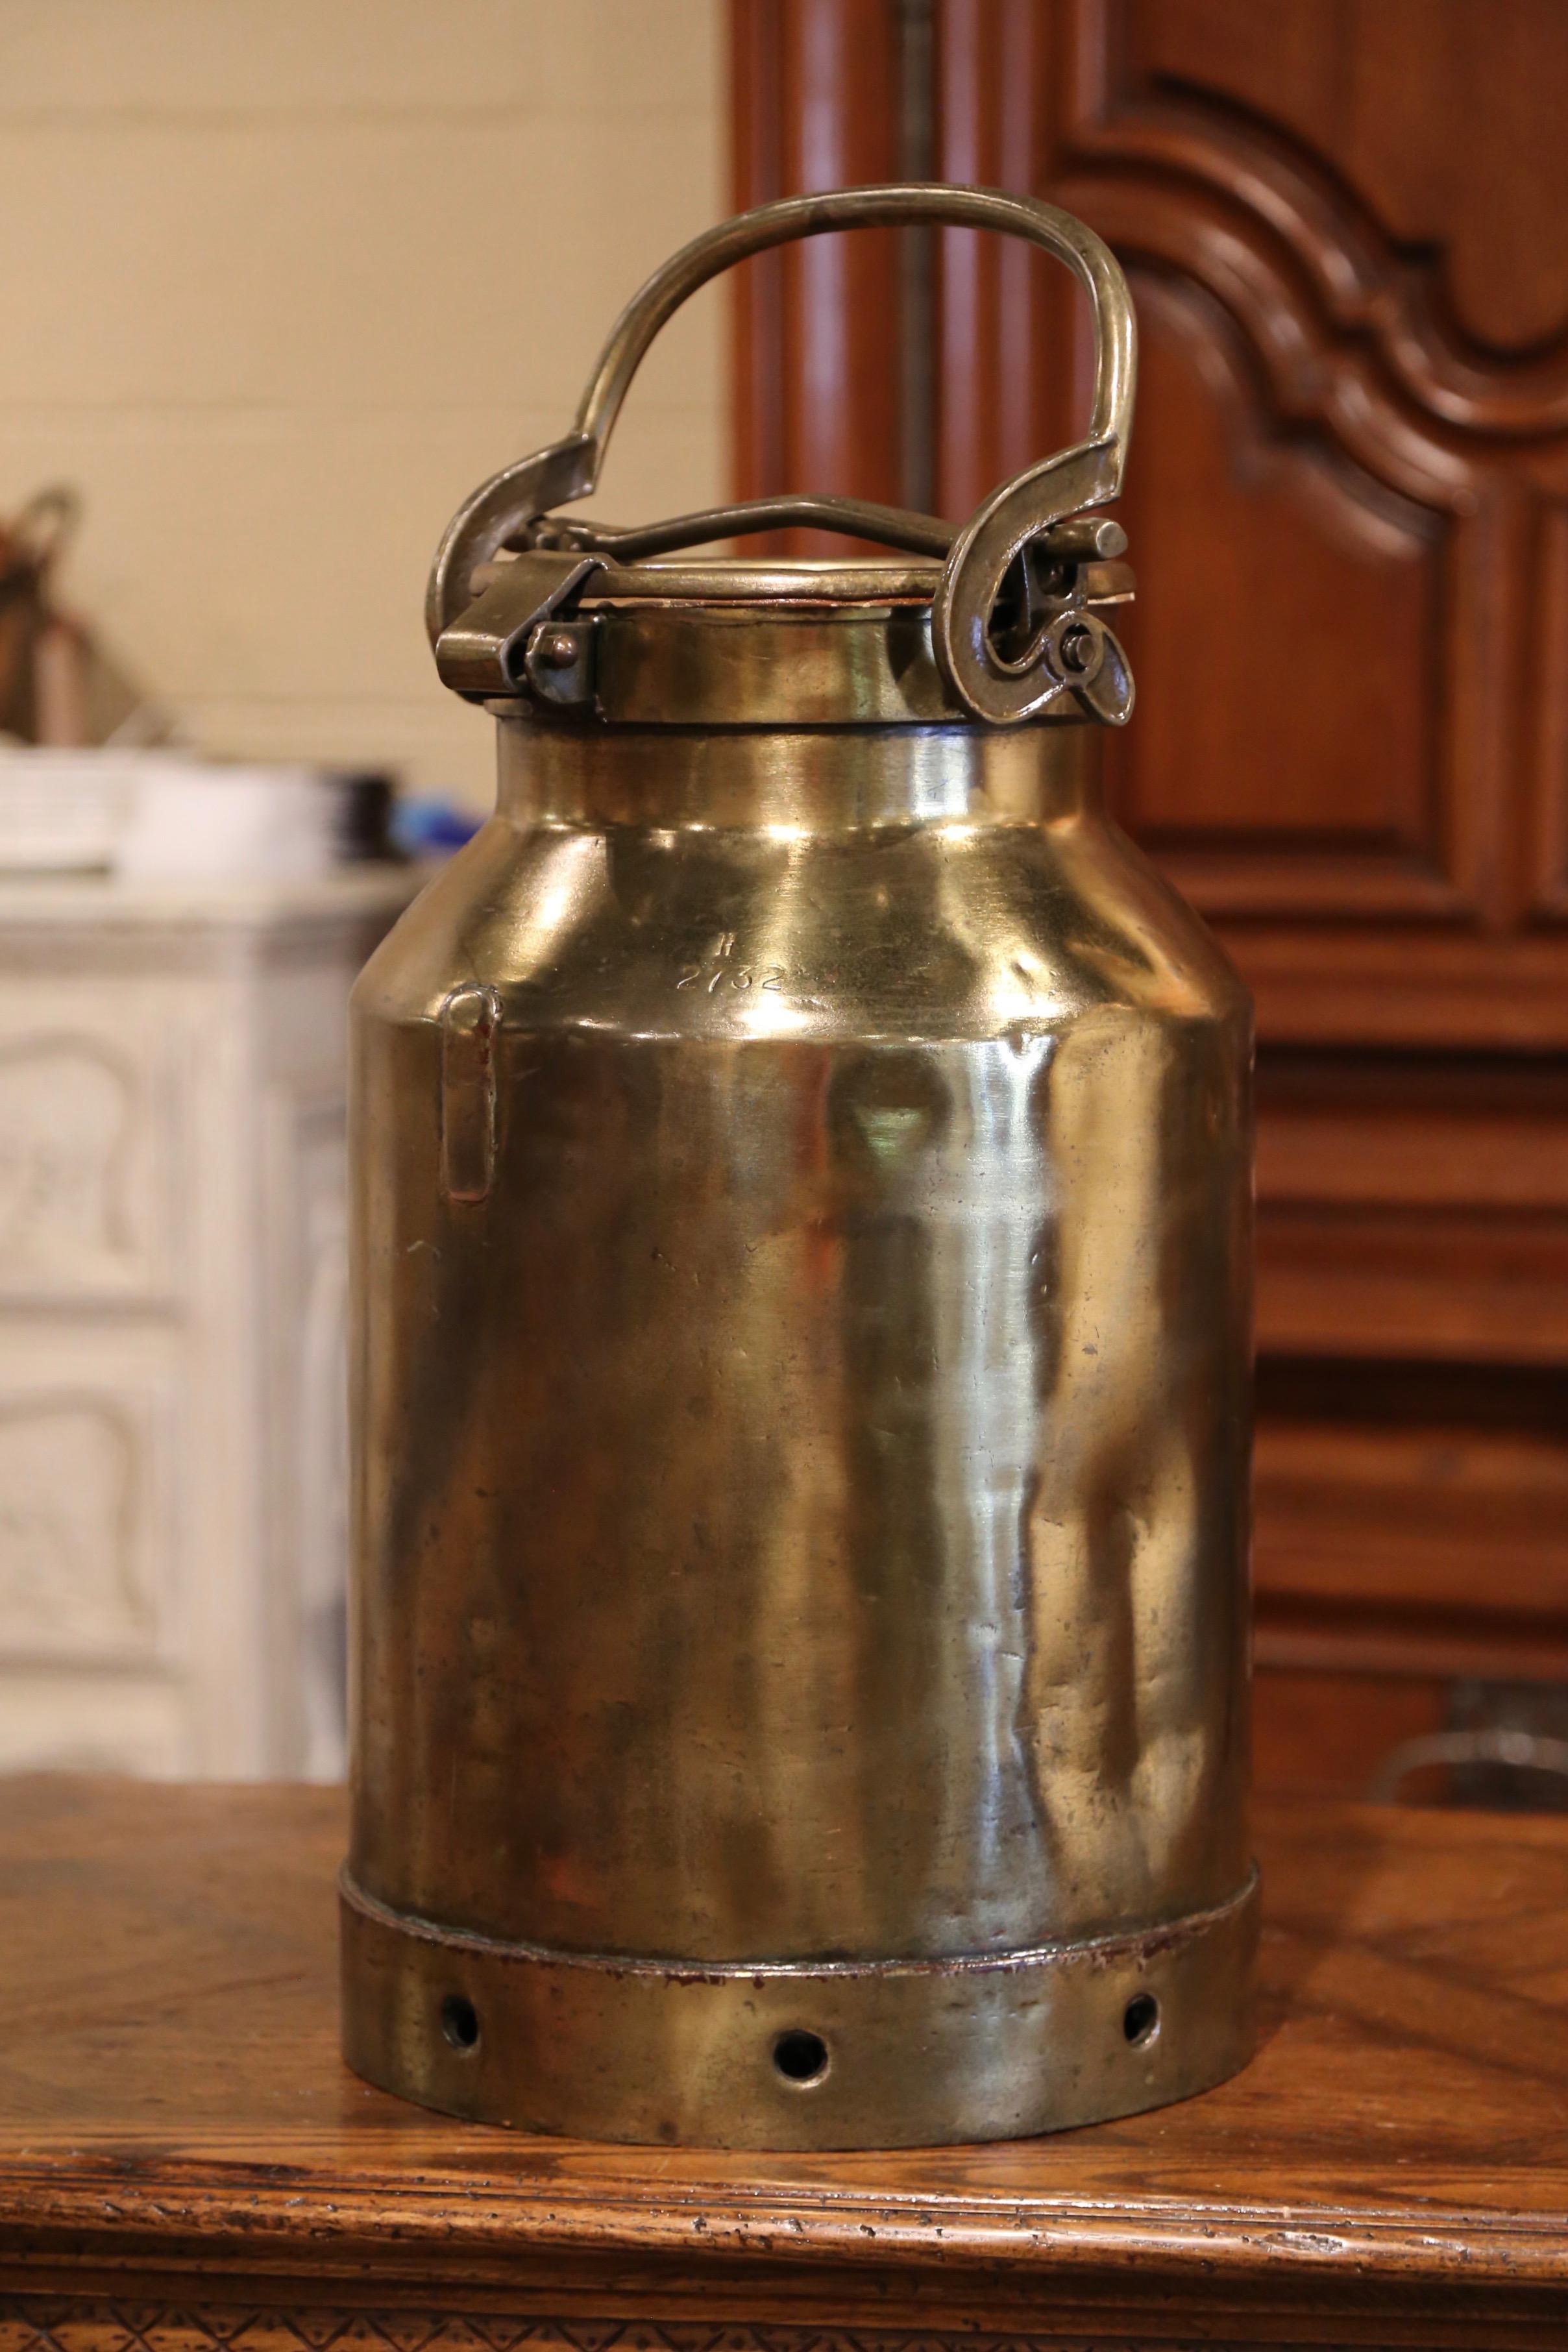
[(426, 825)]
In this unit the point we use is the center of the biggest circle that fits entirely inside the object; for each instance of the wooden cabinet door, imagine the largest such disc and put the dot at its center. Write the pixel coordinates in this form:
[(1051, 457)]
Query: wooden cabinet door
[(1345, 225)]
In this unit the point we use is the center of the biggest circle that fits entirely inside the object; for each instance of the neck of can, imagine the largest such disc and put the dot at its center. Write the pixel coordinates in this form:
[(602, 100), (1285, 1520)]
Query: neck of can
[(809, 778)]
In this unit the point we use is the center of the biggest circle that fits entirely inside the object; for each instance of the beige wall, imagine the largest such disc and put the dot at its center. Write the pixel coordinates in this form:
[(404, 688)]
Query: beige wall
[(282, 279)]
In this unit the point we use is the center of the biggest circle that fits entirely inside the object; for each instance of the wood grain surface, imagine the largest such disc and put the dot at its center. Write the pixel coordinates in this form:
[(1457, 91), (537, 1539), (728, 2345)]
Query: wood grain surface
[(185, 2161)]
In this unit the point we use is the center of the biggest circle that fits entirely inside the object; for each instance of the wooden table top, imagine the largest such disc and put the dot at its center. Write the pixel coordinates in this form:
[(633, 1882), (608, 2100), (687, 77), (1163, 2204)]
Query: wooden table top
[(176, 2124)]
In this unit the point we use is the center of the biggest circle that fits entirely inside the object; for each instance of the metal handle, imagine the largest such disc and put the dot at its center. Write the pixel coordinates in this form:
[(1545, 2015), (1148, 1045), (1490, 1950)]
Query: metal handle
[(1519, 1751), (987, 682)]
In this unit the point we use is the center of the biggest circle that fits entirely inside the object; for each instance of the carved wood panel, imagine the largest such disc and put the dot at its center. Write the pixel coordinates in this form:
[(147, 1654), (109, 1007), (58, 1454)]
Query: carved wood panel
[(1319, 462), (1444, 253), (1243, 552), (1275, 166)]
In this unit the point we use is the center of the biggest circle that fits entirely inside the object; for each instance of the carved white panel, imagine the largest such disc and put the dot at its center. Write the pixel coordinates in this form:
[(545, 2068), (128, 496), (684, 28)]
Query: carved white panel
[(173, 1418), (90, 1135), (66, 1113), (70, 1579), (90, 1492)]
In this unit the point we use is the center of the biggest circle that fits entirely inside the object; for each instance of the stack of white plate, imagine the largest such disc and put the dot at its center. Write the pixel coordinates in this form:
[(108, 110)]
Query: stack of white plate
[(153, 815), (65, 812)]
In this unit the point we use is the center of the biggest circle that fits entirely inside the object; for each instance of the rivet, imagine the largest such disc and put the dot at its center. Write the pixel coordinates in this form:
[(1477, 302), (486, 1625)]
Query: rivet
[(557, 649)]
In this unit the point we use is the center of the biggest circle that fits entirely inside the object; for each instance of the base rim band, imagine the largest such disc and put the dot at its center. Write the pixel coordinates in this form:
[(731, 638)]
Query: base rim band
[(918, 2052)]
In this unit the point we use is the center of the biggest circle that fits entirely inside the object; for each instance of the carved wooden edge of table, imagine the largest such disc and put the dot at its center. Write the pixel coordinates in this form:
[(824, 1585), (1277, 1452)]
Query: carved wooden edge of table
[(185, 2165), (93, 2265), (130, 2327)]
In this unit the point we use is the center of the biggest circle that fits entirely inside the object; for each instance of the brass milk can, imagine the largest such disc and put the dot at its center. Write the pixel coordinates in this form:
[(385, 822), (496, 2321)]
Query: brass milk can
[(801, 1335)]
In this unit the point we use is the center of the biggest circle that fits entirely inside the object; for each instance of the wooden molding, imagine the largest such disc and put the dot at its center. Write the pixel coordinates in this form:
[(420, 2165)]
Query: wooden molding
[(1147, 100), (815, 104), (63, 2323)]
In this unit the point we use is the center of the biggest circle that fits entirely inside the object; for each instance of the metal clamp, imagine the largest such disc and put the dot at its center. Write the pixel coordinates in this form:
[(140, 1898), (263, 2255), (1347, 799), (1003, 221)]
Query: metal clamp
[(1001, 673)]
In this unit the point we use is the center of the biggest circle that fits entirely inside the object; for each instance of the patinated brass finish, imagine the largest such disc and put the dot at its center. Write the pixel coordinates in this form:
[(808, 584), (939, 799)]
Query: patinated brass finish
[(802, 1190)]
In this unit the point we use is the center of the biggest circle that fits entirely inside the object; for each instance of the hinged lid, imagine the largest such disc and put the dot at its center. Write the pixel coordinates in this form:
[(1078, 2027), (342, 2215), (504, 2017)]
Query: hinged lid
[(728, 641), (593, 621)]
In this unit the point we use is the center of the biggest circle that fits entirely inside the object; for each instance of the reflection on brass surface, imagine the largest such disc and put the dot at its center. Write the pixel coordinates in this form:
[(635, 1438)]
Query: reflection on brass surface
[(802, 1159)]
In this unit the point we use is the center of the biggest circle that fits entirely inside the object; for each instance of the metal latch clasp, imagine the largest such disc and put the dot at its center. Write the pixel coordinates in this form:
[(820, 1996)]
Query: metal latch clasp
[(517, 636)]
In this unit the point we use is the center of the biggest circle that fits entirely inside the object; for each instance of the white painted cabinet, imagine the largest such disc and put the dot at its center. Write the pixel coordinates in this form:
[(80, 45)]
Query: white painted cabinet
[(172, 1493)]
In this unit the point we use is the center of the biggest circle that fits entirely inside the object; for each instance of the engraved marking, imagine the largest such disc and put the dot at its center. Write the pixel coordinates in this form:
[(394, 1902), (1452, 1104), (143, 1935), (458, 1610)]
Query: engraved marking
[(716, 969)]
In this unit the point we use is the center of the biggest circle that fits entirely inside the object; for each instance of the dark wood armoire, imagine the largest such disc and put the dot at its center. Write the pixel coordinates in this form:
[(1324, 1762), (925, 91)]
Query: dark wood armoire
[(1345, 222)]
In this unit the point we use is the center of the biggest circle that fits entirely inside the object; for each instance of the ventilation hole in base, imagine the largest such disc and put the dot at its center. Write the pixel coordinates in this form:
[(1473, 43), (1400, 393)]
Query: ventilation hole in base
[(1140, 2018), (459, 2022), (801, 2057)]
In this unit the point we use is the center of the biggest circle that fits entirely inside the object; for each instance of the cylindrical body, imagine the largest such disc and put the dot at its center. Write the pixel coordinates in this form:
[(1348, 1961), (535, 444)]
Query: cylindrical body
[(801, 1346)]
